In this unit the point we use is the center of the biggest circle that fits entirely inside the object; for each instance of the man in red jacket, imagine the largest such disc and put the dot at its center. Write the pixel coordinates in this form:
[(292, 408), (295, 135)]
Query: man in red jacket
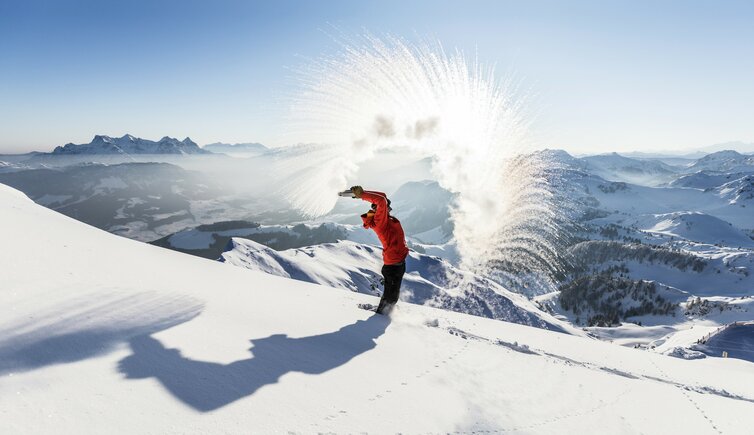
[(394, 249)]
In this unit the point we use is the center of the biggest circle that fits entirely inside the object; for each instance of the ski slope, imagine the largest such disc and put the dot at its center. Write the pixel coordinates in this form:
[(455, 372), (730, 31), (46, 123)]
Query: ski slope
[(107, 335)]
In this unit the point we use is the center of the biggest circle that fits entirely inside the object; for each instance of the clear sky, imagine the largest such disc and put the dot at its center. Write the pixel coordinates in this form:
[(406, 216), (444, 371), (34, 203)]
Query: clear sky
[(608, 75)]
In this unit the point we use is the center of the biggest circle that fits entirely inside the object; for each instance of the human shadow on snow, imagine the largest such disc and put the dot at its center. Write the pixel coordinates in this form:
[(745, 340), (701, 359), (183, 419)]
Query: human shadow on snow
[(206, 386), (90, 326)]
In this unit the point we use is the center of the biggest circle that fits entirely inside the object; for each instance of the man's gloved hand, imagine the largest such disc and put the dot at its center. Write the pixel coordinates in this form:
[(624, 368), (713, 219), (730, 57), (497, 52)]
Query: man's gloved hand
[(357, 191)]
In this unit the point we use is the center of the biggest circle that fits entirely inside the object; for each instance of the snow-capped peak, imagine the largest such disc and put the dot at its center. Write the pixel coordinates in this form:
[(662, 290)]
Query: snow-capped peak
[(128, 144), (726, 160)]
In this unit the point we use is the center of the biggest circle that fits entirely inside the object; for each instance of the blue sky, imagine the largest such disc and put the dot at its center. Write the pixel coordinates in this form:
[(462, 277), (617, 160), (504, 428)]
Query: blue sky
[(631, 75)]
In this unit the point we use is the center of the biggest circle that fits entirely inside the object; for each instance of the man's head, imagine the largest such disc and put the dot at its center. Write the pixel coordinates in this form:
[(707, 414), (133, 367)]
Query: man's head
[(374, 207)]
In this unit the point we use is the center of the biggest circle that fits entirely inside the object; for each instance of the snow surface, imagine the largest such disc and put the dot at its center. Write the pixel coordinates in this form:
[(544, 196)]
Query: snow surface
[(107, 335), (737, 340), (726, 160), (428, 280), (705, 179), (694, 226), (619, 168)]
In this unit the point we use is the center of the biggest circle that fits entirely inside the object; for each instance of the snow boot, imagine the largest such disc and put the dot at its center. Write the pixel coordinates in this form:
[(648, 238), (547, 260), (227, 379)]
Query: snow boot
[(384, 308)]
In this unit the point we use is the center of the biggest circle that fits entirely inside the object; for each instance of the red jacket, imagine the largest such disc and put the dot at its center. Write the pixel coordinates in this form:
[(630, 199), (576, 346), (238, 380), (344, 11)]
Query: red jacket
[(388, 228)]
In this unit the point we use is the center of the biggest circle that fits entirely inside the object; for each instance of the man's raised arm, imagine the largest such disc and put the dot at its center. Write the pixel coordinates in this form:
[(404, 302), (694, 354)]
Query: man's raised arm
[(378, 198)]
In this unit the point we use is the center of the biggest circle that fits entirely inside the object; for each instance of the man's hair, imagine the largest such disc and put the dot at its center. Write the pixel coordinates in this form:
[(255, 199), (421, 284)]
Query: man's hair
[(374, 206)]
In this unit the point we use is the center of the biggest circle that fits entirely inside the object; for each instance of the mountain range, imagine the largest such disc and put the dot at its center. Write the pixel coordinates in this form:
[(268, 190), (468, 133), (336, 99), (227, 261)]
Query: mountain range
[(237, 149), (128, 144)]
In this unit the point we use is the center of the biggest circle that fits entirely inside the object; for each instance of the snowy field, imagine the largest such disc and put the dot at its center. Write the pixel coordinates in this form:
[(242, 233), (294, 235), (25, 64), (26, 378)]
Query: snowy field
[(108, 335)]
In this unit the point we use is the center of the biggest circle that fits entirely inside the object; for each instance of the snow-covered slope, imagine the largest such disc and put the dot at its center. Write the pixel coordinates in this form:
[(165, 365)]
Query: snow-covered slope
[(632, 200), (128, 144), (739, 191), (695, 226), (209, 241), (428, 280), (740, 333), (101, 334), (615, 167), (728, 161), (706, 179)]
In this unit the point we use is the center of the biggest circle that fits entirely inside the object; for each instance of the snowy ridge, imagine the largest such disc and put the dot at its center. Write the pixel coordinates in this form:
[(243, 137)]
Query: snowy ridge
[(166, 337), (706, 179), (209, 241), (695, 226), (739, 191), (624, 199), (727, 160), (615, 167), (128, 144), (428, 280)]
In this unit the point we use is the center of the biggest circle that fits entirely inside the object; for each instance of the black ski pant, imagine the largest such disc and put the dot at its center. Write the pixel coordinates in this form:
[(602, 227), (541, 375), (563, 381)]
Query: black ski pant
[(393, 275)]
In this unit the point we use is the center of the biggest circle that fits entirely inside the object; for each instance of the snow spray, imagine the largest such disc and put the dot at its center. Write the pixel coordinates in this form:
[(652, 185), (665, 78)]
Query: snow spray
[(388, 94)]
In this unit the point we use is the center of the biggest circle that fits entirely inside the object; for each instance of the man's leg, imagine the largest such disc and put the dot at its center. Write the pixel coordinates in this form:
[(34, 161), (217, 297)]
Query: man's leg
[(397, 272), (393, 276), (386, 285)]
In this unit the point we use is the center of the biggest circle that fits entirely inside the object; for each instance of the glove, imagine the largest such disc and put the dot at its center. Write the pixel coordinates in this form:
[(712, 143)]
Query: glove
[(357, 191)]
